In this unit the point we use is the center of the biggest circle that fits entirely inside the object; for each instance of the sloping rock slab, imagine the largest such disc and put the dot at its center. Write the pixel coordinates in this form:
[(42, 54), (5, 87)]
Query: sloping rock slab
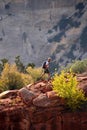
[(43, 101), (26, 95), (52, 95), (40, 87), (81, 78), (8, 94)]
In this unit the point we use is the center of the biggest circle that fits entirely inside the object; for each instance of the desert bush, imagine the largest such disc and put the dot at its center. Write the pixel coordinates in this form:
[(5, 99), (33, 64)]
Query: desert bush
[(35, 73), (27, 79), (77, 66), (65, 85), (11, 78)]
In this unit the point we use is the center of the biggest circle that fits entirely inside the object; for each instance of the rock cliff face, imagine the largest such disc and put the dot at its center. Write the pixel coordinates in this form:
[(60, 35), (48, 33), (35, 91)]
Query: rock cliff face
[(41, 4), (33, 29), (37, 107)]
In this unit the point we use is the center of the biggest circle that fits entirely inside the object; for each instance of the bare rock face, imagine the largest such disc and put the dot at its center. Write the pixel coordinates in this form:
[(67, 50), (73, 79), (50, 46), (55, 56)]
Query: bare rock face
[(28, 28), (34, 109)]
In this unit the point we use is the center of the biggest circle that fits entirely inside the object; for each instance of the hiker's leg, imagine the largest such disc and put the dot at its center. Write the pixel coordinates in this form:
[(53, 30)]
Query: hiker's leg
[(43, 73), (49, 76), (48, 72)]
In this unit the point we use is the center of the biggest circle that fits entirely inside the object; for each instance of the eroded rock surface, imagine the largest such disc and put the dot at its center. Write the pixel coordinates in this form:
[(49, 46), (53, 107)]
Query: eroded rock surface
[(32, 108)]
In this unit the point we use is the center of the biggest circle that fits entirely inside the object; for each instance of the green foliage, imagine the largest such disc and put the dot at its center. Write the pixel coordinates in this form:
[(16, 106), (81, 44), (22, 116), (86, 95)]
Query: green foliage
[(65, 85), (27, 79), (11, 78), (35, 73), (3, 62), (30, 65), (78, 66), (19, 64)]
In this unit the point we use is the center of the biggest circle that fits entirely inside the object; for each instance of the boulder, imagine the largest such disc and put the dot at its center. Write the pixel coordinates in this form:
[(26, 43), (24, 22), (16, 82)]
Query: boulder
[(26, 95)]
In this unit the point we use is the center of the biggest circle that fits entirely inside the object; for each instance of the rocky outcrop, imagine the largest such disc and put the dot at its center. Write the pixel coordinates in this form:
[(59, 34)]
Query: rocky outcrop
[(38, 107), (83, 82)]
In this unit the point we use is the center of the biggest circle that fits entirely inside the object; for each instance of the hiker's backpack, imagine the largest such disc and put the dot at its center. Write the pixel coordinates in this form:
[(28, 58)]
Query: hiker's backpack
[(44, 65)]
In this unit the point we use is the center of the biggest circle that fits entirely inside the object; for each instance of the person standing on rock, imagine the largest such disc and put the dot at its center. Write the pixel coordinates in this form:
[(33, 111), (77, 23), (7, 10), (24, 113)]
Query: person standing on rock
[(46, 66)]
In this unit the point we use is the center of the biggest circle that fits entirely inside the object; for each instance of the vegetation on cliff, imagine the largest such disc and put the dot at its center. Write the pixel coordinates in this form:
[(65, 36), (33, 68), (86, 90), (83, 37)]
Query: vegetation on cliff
[(78, 66), (65, 85), (16, 76)]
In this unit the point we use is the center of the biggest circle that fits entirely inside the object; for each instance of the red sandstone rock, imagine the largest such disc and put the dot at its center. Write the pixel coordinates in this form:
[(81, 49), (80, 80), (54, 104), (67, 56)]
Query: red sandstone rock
[(40, 87), (43, 101), (83, 84), (8, 94), (47, 88), (52, 94), (26, 95), (81, 78), (39, 108)]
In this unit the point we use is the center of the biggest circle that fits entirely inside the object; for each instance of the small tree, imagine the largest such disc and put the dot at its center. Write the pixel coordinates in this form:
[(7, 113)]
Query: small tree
[(19, 64), (30, 65), (3, 62)]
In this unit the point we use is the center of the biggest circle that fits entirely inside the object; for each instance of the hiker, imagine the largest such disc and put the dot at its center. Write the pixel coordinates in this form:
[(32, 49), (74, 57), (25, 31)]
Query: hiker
[(46, 66)]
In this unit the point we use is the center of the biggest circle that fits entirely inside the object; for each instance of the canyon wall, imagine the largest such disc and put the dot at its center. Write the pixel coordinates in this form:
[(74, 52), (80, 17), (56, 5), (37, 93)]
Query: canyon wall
[(31, 29)]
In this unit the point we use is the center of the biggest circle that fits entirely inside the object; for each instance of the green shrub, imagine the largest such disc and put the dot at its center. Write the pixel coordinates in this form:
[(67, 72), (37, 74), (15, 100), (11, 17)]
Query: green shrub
[(65, 85), (78, 66), (11, 78), (35, 73), (27, 79)]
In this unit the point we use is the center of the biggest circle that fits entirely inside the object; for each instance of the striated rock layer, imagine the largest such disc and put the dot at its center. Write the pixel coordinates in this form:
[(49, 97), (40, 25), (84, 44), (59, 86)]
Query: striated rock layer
[(37, 107), (25, 118)]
